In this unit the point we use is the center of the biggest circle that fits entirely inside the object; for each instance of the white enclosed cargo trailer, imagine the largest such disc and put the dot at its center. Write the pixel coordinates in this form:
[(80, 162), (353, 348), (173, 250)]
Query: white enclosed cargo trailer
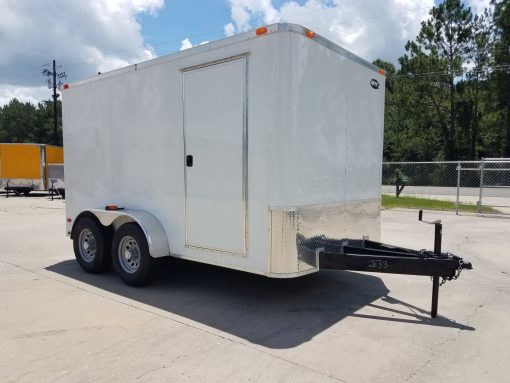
[(222, 153), (250, 152)]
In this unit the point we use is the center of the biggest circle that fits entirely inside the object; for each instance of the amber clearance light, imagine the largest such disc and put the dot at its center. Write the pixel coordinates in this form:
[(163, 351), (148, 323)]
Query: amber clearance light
[(261, 31)]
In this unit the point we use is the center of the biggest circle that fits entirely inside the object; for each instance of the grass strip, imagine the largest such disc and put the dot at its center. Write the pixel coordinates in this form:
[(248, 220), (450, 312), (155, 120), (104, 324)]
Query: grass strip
[(406, 202)]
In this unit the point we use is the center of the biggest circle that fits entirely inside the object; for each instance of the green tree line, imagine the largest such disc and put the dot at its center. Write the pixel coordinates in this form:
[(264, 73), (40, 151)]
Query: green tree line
[(450, 97), (25, 122)]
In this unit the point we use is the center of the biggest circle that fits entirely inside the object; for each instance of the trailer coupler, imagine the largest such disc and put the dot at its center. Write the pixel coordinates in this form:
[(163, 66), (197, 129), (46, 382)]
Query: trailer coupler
[(370, 256)]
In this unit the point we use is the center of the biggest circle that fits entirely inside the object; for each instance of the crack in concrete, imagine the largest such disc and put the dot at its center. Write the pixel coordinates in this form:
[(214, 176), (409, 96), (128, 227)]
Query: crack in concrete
[(452, 339), (162, 367), (38, 334)]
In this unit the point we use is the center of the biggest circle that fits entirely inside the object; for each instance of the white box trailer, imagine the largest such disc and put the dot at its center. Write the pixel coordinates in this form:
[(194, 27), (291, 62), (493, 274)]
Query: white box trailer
[(229, 153)]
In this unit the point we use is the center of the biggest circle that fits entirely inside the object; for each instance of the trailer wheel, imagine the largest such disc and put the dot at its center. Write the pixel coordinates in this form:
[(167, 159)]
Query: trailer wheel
[(92, 246), (131, 257)]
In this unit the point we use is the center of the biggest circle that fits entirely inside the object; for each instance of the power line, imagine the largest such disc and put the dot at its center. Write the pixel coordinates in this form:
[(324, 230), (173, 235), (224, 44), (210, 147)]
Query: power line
[(84, 59)]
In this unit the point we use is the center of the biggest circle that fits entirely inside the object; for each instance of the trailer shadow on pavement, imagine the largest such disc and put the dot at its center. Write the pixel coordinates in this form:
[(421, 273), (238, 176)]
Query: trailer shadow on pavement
[(275, 313)]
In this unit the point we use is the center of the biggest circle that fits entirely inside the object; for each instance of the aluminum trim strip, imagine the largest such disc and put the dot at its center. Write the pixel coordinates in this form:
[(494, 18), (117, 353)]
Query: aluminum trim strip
[(245, 155), (42, 149), (222, 251), (215, 62)]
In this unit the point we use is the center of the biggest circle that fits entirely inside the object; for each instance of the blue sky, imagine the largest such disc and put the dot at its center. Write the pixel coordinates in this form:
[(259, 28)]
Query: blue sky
[(198, 20), (88, 36), (184, 18)]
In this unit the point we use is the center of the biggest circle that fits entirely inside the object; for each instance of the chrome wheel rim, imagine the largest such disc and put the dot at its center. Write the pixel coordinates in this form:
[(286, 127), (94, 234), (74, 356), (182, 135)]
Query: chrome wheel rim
[(87, 245), (129, 254)]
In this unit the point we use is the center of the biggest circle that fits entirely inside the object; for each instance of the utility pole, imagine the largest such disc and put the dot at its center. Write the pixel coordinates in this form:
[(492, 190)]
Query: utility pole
[(52, 83)]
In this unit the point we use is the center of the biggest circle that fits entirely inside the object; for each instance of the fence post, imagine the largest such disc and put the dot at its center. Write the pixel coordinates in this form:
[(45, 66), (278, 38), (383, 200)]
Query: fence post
[(482, 163), (458, 188)]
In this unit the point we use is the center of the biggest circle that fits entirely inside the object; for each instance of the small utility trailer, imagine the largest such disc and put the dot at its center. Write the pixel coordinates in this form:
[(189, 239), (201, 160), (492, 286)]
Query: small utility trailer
[(260, 152)]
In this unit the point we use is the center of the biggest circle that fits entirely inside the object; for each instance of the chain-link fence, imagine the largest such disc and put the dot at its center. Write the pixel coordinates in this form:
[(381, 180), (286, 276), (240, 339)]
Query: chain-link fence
[(484, 183)]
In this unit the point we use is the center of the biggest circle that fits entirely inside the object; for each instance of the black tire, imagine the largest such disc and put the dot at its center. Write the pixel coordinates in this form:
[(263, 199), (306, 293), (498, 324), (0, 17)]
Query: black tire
[(131, 257), (90, 233)]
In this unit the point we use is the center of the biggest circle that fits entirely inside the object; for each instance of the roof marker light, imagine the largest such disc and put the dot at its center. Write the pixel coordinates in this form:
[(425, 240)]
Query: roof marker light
[(261, 31), (66, 86), (381, 71), (310, 34)]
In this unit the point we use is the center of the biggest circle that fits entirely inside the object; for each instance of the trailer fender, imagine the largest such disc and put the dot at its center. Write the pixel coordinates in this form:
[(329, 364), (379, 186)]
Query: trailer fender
[(150, 225)]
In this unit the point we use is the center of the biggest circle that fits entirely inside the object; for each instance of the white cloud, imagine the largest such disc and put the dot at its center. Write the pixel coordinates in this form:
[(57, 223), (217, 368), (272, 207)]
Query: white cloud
[(371, 29), (186, 44), (84, 36), (368, 28), (23, 93), (245, 11), (478, 6), (229, 29)]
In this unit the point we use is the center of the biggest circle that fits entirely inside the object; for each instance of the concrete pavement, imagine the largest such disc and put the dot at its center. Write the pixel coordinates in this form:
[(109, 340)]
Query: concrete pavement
[(203, 323)]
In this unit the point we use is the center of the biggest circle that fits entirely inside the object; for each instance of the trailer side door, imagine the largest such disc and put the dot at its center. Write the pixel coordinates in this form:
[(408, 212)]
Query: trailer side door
[(214, 97)]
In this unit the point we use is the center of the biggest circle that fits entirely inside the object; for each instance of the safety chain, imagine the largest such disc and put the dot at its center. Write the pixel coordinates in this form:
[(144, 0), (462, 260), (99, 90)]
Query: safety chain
[(456, 276), (457, 273)]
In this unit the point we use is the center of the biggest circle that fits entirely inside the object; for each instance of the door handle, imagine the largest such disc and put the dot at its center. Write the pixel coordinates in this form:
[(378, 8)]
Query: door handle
[(189, 160)]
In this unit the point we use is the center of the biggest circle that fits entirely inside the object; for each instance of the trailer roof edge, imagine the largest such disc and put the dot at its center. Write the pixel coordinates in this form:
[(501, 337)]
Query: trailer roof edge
[(245, 36), (296, 28)]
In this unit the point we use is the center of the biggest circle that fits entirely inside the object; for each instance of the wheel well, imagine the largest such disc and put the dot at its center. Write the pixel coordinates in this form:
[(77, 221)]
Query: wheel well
[(87, 214), (116, 223), (112, 220)]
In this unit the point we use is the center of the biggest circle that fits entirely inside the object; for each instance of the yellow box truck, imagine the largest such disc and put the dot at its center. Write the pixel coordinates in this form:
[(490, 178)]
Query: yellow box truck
[(24, 167)]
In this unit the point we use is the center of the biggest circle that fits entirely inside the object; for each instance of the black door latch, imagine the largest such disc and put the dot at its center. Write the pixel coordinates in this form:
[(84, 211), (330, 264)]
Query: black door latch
[(189, 160)]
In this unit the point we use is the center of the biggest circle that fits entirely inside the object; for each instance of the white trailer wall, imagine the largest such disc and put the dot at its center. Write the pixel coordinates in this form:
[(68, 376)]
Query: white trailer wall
[(328, 135), (124, 143), (314, 136)]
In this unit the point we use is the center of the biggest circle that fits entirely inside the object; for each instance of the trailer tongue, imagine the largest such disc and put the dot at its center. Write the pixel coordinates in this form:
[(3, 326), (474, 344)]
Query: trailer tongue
[(370, 256)]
